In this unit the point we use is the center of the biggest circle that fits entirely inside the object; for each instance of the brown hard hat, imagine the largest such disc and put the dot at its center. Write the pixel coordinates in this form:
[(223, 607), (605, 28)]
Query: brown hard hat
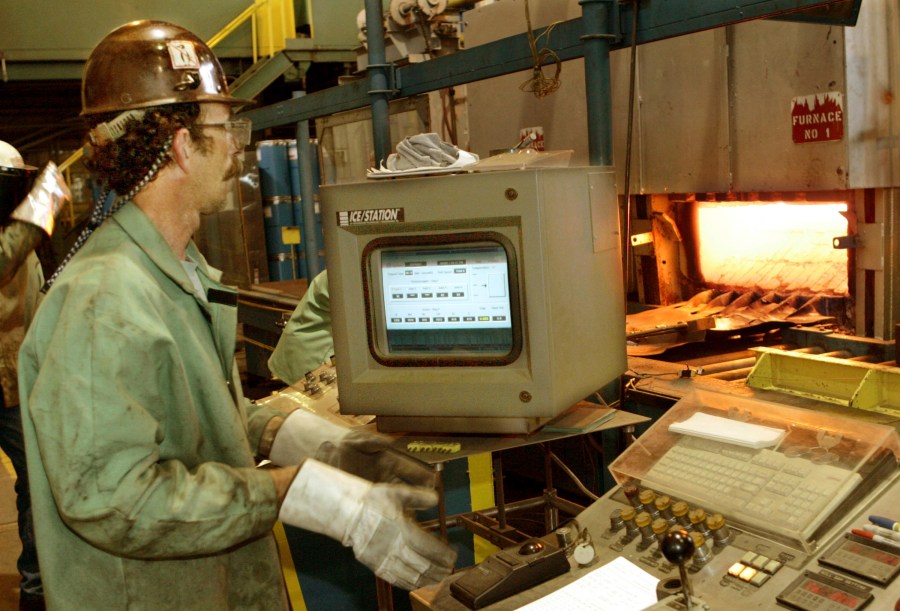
[(151, 63)]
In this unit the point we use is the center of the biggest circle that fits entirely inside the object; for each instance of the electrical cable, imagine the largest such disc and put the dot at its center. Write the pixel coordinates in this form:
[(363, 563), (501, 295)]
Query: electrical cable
[(574, 477), (539, 84)]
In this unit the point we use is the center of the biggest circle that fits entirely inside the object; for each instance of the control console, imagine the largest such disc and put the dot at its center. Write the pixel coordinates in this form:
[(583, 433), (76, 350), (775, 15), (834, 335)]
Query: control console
[(747, 528)]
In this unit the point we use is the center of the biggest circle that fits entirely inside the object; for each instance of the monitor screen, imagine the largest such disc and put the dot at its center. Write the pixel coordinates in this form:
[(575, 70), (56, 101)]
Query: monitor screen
[(443, 299)]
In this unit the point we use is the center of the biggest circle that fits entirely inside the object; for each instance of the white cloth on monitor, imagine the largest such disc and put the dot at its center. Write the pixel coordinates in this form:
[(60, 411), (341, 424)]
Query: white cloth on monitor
[(423, 152)]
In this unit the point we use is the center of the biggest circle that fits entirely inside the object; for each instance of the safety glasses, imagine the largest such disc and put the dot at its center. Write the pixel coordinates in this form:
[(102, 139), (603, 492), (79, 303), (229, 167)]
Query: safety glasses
[(238, 129)]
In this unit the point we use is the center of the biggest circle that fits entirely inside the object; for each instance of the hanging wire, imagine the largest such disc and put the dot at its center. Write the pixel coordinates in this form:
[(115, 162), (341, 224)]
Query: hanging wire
[(98, 214), (540, 84)]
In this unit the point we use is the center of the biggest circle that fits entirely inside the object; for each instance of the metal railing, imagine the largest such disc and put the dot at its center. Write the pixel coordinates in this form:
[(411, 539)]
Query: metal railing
[(272, 23)]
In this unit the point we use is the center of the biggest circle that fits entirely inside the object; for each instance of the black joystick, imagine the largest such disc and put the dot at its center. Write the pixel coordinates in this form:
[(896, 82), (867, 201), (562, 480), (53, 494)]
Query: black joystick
[(678, 548)]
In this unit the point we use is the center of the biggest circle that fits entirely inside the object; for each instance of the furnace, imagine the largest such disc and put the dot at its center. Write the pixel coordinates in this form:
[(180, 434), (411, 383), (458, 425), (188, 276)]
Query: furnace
[(717, 274)]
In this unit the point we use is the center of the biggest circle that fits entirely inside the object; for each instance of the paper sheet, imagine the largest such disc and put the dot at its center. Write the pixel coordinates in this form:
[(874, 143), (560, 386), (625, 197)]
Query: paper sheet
[(726, 430), (619, 585)]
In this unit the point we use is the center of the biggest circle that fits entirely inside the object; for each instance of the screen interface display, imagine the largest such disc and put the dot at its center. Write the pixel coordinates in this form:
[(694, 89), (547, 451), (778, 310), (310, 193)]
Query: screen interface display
[(447, 299)]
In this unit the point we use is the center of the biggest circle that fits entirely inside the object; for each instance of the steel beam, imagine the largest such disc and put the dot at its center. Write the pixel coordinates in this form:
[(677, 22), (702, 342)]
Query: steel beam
[(657, 20)]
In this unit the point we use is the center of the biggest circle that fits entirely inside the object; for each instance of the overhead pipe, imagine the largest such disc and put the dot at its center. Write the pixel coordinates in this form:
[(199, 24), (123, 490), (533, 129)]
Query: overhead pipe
[(596, 19), (379, 90), (307, 200)]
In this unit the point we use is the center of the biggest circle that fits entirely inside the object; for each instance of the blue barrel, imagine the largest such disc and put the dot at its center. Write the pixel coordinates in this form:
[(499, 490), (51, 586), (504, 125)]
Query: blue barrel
[(274, 169), (281, 267), (274, 243), (301, 264), (282, 257), (279, 212)]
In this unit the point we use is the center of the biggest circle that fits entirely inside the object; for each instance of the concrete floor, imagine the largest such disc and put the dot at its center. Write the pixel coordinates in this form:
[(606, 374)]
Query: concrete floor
[(9, 538)]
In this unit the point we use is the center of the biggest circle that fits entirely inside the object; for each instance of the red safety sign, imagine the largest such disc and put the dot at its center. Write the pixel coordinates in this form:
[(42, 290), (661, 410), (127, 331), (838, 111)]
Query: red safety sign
[(818, 117)]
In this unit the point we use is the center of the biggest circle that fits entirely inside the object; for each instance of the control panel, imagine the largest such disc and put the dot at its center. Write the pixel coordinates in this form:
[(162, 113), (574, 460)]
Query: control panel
[(728, 512), (316, 392), (731, 568)]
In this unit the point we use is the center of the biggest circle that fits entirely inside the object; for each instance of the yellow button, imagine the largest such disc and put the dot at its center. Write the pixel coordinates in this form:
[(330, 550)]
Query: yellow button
[(747, 574)]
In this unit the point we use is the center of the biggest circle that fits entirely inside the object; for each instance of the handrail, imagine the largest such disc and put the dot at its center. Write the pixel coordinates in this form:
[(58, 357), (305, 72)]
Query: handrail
[(273, 14), (247, 13)]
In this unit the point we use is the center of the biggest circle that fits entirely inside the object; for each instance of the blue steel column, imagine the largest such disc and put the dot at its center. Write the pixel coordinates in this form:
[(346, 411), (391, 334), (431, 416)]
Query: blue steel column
[(378, 81), (596, 38), (307, 197)]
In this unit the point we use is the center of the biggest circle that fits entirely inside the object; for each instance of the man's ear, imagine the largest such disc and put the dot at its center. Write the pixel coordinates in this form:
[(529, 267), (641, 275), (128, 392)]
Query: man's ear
[(182, 148)]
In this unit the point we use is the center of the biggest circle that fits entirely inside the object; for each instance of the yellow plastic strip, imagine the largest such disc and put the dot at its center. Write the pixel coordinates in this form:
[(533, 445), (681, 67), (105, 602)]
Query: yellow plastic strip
[(481, 491), (291, 579), (7, 463)]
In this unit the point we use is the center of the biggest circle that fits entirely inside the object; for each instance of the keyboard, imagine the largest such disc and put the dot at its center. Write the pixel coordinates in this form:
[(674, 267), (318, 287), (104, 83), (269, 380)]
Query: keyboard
[(763, 488)]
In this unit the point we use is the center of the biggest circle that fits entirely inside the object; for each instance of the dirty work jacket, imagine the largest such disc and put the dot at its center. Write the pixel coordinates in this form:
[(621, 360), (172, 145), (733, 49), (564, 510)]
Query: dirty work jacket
[(141, 461), (305, 341), (20, 285)]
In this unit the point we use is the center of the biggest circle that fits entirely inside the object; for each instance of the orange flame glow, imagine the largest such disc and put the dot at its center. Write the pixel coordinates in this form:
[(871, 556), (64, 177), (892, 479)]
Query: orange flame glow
[(774, 246)]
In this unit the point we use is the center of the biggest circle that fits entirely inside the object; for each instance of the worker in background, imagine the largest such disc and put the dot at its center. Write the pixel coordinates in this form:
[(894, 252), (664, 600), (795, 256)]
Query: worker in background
[(305, 341), (28, 209), (141, 448)]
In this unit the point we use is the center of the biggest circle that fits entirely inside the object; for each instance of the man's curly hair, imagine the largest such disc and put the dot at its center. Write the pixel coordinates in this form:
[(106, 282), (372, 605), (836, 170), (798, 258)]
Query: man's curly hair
[(120, 165)]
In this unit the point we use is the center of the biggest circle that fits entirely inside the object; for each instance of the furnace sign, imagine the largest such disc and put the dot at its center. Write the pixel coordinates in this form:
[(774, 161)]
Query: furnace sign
[(818, 117)]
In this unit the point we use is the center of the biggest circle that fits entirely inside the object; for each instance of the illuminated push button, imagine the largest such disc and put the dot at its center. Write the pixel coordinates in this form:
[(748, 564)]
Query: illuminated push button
[(680, 511), (772, 567), (736, 569), (748, 574)]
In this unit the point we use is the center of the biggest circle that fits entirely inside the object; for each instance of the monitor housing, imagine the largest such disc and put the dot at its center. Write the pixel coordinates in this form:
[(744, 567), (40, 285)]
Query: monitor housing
[(474, 303)]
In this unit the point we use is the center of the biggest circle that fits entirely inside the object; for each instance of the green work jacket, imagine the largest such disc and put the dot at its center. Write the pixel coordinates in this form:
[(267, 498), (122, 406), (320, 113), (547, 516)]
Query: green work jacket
[(140, 445), (305, 342)]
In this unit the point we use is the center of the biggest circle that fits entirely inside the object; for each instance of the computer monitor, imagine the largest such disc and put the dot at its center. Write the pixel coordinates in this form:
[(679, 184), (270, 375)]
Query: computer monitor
[(474, 303)]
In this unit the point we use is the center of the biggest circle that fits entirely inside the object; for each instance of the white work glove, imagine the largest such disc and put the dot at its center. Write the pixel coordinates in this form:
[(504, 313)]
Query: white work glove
[(354, 450), (45, 200), (371, 519)]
